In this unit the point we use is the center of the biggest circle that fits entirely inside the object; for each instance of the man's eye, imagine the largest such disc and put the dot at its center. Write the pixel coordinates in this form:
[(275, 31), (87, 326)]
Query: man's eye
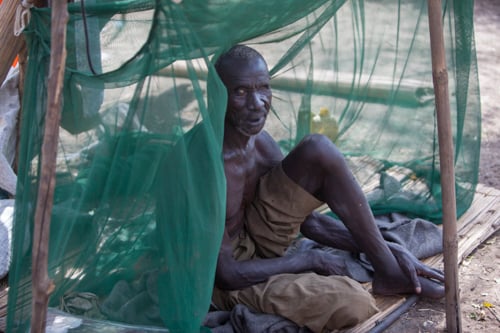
[(240, 91)]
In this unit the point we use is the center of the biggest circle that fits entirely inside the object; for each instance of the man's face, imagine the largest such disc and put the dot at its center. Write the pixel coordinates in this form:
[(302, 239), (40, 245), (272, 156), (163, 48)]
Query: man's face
[(249, 95)]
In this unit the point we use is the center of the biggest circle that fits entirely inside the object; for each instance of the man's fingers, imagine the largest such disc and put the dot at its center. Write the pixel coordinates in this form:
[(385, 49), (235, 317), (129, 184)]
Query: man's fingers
[(413, 272), (332, 264), (431, 272), (415, 281)]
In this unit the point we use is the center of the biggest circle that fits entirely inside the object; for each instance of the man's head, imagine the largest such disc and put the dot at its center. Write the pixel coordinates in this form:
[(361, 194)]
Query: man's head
[(244, 72)]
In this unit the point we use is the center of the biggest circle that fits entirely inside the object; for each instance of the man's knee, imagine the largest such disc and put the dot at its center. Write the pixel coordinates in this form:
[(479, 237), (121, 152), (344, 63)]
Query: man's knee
[(353, 307), (314, 158), (318, 148), (316, 141)]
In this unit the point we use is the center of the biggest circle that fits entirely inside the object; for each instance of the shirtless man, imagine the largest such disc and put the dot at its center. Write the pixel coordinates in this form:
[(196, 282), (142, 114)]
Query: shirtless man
[(271, 198)]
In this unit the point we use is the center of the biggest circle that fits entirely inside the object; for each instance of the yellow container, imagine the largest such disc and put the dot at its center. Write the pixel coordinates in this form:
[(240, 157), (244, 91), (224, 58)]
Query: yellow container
[(324, 123)]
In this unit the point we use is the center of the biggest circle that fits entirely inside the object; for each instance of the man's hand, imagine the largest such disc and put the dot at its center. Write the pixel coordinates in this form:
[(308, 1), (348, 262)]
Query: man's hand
[(413, 267), (325, 263)]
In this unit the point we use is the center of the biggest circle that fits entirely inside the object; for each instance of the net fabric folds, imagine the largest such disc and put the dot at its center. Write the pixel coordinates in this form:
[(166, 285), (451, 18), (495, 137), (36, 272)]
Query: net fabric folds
[(139, 203)]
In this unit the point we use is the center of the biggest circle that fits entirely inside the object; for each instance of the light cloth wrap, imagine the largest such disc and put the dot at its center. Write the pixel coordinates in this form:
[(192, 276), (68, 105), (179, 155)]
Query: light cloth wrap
[(9, 110), (6, 224)]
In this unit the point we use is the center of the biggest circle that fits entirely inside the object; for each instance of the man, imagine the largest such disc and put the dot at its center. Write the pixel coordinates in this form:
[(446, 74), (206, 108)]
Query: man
[(271, 198)]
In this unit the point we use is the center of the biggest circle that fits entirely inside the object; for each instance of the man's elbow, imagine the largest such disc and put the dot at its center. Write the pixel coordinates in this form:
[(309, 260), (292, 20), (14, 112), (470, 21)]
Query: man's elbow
[(228, 280)]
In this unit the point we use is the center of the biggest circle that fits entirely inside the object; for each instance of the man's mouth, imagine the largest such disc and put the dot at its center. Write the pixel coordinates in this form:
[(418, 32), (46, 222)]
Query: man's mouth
[(256, 121)]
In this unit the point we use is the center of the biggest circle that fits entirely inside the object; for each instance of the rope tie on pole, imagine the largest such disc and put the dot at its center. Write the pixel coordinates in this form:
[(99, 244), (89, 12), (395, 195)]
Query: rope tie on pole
[(23, 16)]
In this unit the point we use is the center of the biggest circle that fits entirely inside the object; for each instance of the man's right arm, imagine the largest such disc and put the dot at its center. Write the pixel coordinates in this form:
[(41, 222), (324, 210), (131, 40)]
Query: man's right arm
[(232, 274)]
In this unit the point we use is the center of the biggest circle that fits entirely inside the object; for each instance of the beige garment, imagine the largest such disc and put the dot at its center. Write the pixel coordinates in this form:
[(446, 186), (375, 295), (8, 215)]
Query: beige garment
[(308, 299)]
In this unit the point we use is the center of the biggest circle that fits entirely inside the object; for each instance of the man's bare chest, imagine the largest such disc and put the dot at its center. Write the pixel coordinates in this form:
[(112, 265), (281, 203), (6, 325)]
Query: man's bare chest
[(241, 181)]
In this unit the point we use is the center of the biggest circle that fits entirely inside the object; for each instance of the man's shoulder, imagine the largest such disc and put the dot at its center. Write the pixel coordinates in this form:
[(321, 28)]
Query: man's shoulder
[(265, 137), (265, 143)]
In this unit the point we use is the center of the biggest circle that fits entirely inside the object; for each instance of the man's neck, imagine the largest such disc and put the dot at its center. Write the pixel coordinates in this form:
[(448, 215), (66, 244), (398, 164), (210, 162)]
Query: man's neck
[(236, 142)]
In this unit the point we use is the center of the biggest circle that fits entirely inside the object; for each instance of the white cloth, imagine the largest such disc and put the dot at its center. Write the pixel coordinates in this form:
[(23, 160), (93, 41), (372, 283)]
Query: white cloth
[(6, 224), (9, 110)]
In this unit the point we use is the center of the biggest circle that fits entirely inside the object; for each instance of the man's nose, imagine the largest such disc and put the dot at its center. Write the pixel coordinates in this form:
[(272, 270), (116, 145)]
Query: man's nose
[(255, 101)]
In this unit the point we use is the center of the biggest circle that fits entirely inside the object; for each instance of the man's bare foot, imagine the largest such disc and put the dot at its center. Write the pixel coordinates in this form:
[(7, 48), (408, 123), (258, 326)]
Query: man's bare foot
[(429, 288)]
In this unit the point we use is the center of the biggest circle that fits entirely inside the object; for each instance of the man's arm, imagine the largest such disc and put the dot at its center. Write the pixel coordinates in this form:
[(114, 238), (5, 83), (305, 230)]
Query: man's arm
[(330, 232), (232, 274)]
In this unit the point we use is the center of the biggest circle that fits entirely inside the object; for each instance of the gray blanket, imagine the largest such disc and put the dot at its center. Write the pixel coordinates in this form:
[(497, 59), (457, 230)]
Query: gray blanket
[(241, 320)]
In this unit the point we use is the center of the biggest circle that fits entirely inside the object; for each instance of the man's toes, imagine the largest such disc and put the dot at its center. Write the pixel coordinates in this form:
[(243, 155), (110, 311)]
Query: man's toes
[(431, 288)]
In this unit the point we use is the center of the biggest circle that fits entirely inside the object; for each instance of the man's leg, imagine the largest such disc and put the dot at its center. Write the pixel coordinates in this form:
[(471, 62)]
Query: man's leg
[(308, 299), (319, 167)]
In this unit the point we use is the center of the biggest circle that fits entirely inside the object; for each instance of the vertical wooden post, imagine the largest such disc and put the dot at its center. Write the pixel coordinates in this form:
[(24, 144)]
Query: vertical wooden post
[(42, 285), (450, 241)]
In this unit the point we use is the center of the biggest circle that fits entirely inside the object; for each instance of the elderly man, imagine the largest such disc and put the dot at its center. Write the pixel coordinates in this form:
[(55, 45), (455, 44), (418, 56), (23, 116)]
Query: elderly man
[(271, 198)]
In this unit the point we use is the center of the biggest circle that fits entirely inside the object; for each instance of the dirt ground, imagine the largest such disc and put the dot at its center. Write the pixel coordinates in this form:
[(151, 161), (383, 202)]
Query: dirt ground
[(479, 274)]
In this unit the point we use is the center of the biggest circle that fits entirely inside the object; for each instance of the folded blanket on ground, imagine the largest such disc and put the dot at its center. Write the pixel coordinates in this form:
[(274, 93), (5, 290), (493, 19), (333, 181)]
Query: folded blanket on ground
[(242, 320)]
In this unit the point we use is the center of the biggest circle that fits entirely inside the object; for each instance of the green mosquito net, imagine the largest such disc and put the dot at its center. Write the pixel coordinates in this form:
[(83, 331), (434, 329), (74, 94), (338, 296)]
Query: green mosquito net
[(139, 202)]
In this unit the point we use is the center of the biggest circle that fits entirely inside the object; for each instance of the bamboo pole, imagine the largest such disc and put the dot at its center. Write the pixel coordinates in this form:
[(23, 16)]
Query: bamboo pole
[(23, 63), (410, 94), (42, 285), (445, 136)]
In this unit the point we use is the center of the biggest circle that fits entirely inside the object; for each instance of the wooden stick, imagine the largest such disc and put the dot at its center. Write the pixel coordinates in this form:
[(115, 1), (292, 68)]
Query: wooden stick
[(450, 241), (377, 90), (42, 285), (23, 64)]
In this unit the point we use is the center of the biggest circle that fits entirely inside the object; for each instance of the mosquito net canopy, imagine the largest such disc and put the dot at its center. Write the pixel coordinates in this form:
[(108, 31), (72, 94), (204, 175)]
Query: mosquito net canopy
[(139, 203)]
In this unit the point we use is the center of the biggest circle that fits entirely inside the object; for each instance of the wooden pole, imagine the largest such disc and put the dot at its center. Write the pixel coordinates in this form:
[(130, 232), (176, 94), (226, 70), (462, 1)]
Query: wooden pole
[(42, 285), (23, 63), (373, 91), (445, 136)]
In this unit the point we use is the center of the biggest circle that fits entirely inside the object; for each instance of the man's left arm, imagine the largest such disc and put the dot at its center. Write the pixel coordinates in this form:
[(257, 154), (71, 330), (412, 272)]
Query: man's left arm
[(331, 232)]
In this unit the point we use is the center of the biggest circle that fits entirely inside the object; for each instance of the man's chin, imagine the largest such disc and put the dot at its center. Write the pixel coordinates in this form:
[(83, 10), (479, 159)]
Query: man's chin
[(251, 131)]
